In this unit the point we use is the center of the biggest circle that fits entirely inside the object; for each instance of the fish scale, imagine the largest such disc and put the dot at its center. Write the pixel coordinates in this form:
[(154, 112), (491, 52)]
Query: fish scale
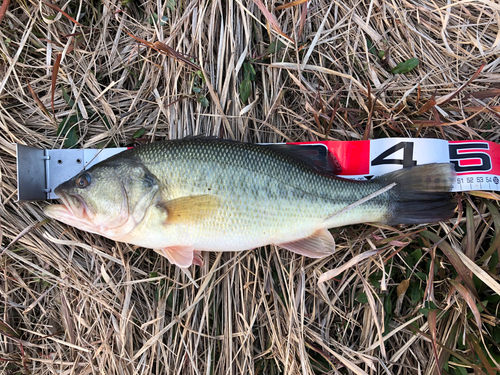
[(262, 189), (204, 194)]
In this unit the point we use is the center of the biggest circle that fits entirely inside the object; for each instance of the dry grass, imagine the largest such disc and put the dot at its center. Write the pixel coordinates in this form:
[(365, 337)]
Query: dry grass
[(75, 303)]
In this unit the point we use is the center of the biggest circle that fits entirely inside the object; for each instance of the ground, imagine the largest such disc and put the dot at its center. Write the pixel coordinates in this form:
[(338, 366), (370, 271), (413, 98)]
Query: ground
[(90, 74)]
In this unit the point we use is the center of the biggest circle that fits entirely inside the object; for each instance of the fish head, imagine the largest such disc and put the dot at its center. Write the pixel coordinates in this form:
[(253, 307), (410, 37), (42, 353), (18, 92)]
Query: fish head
[(110, 199)]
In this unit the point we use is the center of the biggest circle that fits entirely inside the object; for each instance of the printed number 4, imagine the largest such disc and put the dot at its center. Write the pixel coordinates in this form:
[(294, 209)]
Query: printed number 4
[(407, 160)]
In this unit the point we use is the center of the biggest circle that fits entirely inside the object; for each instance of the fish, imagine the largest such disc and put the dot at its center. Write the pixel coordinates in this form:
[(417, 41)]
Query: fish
[(183, 197)]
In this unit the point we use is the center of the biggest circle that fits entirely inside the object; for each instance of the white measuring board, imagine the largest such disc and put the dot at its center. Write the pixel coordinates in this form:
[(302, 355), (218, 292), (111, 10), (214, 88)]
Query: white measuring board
[(477, 163)]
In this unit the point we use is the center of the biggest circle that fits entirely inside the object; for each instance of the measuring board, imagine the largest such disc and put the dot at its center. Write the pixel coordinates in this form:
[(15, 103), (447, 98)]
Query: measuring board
[(477, 163)]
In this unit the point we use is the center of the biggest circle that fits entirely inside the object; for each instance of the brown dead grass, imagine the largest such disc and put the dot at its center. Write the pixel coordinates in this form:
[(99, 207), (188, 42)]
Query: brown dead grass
[(76, 303)]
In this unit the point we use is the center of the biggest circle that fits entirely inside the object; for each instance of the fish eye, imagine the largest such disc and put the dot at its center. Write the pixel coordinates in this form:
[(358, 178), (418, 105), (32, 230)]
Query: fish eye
[(83, 181)]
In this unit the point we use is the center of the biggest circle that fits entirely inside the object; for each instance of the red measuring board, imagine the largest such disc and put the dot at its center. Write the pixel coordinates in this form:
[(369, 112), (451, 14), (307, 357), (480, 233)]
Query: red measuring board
[(477, 163)]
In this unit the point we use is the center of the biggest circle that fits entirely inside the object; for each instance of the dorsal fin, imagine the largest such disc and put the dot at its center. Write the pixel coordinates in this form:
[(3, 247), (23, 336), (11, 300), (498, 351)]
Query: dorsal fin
[(204, 137), (315, 156)]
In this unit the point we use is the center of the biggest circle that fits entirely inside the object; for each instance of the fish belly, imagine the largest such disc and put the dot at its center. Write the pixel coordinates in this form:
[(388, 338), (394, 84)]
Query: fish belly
[(250, 217)]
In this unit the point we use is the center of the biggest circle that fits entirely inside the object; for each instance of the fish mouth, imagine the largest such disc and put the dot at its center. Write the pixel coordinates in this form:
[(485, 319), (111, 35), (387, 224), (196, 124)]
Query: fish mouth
[(73, 207), (74, 202)]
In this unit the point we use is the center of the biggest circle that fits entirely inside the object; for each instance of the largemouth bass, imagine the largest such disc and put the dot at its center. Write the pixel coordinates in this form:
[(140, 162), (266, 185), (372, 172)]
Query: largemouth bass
[(181, 197)]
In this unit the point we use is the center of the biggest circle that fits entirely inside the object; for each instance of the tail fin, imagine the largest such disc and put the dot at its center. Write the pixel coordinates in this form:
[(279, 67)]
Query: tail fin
[(421, 195)]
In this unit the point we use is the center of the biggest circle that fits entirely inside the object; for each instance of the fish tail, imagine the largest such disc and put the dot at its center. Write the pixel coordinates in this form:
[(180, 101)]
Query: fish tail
[(421, 194)]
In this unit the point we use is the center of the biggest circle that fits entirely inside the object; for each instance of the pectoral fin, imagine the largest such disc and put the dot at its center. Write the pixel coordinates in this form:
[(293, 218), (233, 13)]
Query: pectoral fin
[(318, 245), (190, 209), (182, 256)]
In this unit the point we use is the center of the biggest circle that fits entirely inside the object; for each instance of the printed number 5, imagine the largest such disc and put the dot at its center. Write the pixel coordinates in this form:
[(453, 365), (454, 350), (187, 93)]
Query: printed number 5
[(455, 157), (407, 160)]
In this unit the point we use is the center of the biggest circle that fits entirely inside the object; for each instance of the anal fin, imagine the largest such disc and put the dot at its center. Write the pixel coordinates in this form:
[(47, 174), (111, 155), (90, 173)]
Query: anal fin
[(320, 244)]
